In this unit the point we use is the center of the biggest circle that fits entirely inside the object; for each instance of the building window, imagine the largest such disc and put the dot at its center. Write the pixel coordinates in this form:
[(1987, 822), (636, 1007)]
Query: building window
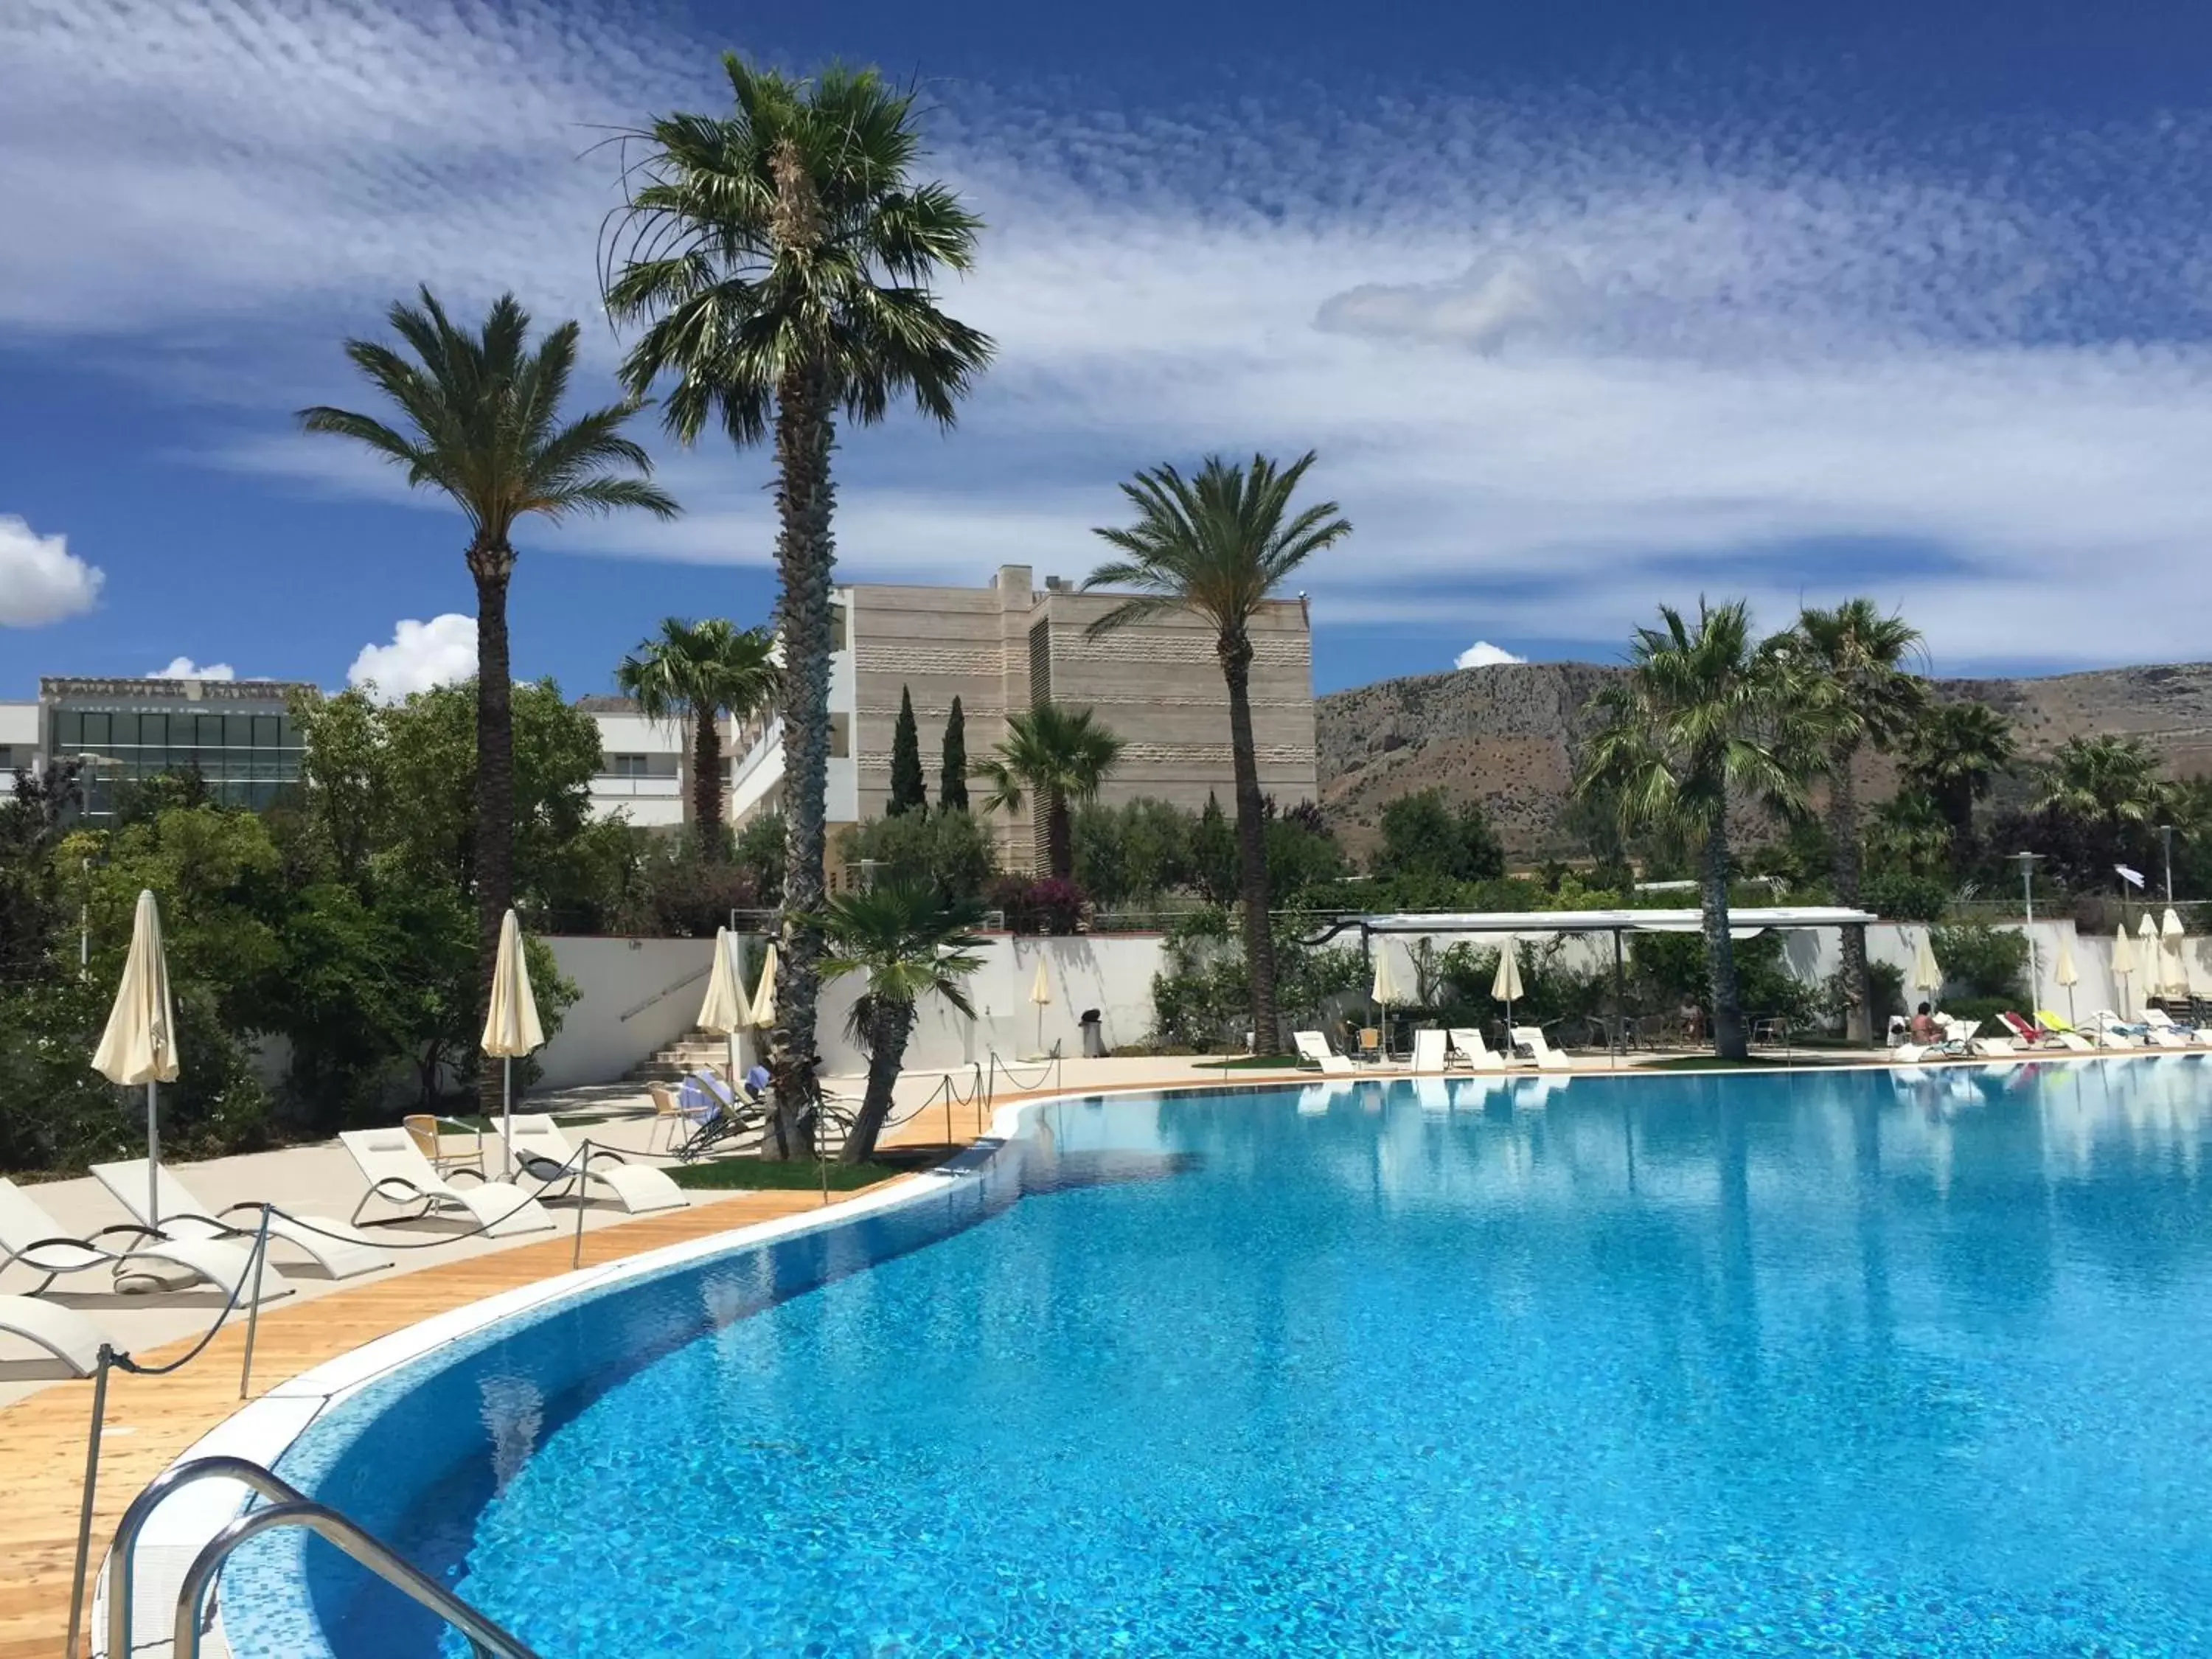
[(629, 766), (837, 639), (841, 737)]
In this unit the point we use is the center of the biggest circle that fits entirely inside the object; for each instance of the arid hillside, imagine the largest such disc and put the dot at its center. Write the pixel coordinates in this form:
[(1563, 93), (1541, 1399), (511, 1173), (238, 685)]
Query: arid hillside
[(1508, 735)]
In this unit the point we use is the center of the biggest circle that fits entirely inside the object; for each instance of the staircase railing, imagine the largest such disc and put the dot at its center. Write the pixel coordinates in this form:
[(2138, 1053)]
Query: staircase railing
[(287, 1507)]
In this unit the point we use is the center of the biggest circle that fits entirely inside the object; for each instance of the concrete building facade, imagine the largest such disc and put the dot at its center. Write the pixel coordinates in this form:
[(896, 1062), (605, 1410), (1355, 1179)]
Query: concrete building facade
[(237, 734), (1012, 644)]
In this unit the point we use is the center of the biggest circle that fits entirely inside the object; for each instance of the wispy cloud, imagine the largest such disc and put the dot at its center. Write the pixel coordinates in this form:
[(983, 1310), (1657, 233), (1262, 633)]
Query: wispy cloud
[(41, 581), (1555, 353)]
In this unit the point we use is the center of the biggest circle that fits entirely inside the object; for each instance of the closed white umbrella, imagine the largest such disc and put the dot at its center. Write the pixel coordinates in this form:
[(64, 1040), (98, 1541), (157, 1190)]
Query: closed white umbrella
[(140, 1042), (2123, 962), (2066, 974), (511, 1026), (726, 1012), (764, 993), (2173, 966), (1385, 993), (1041, 994), (1506, 986), (1927, 972)]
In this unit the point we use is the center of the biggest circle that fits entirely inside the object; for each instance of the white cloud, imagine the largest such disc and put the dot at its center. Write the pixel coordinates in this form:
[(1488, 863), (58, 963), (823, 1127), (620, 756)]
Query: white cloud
[(1563, 356), (1483, 654), (422, 654), (184, 668), (41, 581)]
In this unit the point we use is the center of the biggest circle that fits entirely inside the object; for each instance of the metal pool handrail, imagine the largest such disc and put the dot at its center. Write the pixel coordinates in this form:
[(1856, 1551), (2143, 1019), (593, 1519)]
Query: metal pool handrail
[(288, 1507)]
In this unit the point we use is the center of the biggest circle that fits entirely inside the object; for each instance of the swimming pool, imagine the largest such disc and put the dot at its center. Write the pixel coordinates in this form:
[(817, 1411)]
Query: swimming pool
[(1852, 1363)]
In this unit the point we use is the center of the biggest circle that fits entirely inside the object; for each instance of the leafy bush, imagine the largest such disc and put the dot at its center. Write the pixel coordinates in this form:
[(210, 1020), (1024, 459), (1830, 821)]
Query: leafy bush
[(1983, 961), (1044, 905), (1202, 1000), (947, 852), (1901, 896)]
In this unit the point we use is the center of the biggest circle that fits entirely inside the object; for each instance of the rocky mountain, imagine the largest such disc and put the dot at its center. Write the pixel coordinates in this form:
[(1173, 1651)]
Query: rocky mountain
[(1508, 735)]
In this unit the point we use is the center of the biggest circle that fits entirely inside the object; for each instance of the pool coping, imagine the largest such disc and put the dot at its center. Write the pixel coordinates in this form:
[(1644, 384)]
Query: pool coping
[(265, 1428)]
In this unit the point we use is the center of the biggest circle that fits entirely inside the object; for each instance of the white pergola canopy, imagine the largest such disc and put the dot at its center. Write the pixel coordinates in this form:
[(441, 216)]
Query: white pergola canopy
[(1745, 922)]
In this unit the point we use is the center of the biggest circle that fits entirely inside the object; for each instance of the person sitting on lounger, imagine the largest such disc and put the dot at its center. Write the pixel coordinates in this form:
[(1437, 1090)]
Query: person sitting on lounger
[(1923, 1024)]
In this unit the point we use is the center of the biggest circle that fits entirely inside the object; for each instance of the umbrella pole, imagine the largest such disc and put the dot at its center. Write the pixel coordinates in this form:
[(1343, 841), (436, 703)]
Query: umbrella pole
[(506, 1112), (153, 1156)]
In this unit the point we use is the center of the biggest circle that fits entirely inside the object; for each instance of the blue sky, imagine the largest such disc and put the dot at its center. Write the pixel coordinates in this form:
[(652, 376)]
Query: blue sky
[(1586, 306)]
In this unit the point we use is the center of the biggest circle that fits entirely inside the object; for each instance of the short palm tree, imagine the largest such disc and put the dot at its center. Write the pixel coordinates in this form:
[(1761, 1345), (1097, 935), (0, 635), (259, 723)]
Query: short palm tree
[(1953, 754), (1062, 757), (1850, 662), (911, 943), (699, 672), (481, 421), (1220, 546), (1706, 719), (781, 257), (2110, 788)]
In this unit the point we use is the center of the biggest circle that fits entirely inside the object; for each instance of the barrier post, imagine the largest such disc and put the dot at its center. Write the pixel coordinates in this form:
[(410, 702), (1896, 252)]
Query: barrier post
[(84, 1514)]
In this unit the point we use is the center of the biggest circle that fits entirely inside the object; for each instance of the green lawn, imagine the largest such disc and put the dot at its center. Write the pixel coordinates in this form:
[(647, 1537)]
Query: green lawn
[(750, 1174)]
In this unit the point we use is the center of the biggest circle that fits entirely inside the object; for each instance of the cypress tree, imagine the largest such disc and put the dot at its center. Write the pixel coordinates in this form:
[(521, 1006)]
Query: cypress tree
[(953, 781), (908, 793)]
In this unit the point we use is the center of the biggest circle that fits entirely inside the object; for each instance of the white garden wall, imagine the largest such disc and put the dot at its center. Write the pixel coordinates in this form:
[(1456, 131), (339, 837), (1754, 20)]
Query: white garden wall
[(637, 995)]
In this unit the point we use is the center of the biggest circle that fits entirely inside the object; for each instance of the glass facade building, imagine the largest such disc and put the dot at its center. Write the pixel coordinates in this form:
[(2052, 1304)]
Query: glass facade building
[(237, 735)]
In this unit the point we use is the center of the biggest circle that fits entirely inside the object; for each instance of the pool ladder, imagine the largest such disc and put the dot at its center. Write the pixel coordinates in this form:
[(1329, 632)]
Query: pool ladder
[(287, 1506)]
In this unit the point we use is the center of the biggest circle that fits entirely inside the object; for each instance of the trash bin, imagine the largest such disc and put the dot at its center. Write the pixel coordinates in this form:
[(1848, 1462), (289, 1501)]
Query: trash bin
[(1094, 1035)]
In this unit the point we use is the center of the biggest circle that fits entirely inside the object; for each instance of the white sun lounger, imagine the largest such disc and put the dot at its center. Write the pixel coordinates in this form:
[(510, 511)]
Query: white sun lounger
[(1466, 1042), (1429, 1052), (2112, 1032), (1314, 1046), (1548, 1058), (543, 1150), (397, 1172), (63, 1333), (2169, 1033), (30, 1236), (185, 1217)]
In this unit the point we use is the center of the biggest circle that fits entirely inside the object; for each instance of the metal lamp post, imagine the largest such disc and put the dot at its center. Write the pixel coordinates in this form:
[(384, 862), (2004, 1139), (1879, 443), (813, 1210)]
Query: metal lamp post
[(2166, 834), (2027, 894)]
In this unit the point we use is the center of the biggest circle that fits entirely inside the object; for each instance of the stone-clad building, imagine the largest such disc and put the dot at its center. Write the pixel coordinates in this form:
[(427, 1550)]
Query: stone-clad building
[(1010, 645)]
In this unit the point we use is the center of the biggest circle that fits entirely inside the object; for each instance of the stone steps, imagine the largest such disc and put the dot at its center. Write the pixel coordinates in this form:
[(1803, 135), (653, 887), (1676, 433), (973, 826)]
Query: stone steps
[(687, 1054)]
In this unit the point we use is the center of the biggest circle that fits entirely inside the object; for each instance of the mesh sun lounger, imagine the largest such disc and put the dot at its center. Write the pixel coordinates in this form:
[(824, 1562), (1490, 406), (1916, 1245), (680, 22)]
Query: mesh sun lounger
[(1314, 1046), (30, 1236), (1429, 1052), (397, 1172), (63, 1333), (2170, 1032), (1548, 1058), (1466, 1042), (547, 1158), (185, 1217)]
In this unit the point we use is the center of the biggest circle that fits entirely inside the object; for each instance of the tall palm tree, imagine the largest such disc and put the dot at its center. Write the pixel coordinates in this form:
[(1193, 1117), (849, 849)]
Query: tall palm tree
[(1220, 546), (699, 672), (481, 421), (1706, 718), (2109, 787), (1851, 661), (911, 944), (1060, 756), (1953, 754), (781, 257)]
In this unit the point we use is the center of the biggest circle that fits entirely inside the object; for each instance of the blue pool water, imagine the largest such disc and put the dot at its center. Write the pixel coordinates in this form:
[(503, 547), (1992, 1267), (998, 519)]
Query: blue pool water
[(1842, 1363)]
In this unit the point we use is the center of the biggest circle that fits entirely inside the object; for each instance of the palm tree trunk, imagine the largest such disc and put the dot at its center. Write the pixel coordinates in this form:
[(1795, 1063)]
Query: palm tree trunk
[(1235, 649), (1729, 1038), (889, 1025), (706, 785), (1844, 830), (805, 558), (1059, 837), (493, 848)]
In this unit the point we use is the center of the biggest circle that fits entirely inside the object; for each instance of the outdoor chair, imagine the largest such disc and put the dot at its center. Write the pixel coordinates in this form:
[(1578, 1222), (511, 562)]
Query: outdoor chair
[(185, 1217), (1771, 1030), (428, 1132), (63, 1334), (1548, 1058), (1474, 1053), (1314, 1047), (544, 1155), (671, 1122), (1370, 1045), (30, 1236), (397, 1173), (2065, 1035)]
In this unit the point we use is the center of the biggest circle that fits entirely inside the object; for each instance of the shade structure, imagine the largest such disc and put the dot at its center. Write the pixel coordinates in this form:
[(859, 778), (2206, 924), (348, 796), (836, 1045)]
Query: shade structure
[(1506, 985), (725, 1011), (511, 1026), (1927, 972), (764, 993), (2172, 965), (2124, 962), (2066, 975), (140, 1042), (1041, 994), (1385, 992)]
